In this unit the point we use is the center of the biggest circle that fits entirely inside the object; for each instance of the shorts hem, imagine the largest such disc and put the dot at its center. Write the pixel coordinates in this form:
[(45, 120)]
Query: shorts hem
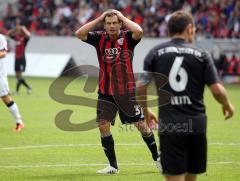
[(196, 173), (168, 174)]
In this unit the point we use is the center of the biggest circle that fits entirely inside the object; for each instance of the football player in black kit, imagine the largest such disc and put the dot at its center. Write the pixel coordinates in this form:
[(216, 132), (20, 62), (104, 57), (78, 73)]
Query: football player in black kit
[(187, 69)]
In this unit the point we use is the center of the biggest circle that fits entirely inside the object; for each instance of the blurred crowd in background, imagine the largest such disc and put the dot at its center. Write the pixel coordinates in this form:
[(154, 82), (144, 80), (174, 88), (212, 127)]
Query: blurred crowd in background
[(228, 64), (214, 18)]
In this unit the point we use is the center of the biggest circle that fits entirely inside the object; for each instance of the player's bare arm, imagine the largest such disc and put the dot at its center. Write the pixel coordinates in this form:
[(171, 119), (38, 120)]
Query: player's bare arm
[(220, 95), (137, 31), (12, 31), (25, 32), (82, 32)]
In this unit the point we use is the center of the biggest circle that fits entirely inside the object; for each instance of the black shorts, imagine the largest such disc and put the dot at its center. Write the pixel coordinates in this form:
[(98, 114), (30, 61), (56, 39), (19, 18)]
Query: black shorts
[(182, 154), (20, 65), (127, 106)]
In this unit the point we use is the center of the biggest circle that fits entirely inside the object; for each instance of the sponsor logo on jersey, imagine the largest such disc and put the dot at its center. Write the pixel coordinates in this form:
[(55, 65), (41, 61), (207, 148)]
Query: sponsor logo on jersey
[(111, 52)]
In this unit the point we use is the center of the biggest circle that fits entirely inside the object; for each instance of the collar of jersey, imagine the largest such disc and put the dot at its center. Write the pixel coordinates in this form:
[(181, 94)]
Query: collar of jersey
[(107, 38), (178, 40)]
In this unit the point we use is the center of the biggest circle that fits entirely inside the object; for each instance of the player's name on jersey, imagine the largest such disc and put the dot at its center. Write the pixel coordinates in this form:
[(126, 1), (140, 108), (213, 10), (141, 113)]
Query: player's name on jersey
[(180, 100), (180, 51)]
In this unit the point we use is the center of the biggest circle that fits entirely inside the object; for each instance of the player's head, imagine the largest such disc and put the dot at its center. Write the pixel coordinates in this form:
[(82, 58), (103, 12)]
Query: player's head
[(182, 24), (18, 30), (112, 24), (18, 26)]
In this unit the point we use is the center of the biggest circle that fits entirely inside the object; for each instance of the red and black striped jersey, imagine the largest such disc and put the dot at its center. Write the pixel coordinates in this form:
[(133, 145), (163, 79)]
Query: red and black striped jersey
[(21, 43), (115, 60)]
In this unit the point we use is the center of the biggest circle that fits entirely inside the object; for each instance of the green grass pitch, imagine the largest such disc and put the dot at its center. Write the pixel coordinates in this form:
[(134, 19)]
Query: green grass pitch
[(44, 152)]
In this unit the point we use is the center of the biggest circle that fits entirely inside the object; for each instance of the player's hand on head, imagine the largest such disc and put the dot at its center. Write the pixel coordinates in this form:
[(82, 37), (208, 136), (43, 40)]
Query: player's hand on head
[(228, 111), (103, 15), (118, 13)]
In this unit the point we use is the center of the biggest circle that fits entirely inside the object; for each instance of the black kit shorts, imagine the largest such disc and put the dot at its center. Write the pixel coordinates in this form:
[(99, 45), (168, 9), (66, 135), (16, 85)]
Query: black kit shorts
[(129, 110), (182, 154), (20, 65)]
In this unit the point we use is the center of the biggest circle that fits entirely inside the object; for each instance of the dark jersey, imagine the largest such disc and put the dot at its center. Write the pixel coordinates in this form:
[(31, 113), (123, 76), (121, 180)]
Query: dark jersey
[(21, 43), (188, 69), (115, 61)]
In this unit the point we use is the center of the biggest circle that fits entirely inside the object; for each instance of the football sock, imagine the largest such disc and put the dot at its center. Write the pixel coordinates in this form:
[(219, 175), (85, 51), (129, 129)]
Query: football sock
[(151, 143), (108, 147), (22, 81), (18, 85), (13, 108), (25, 84)]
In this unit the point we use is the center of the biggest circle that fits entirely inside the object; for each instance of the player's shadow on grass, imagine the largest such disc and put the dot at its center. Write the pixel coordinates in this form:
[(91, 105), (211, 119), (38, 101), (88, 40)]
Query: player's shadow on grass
[(76, 176), (86, 176)]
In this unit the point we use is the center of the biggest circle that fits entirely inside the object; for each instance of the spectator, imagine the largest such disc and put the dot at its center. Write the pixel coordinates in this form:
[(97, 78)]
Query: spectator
[(214, 19)]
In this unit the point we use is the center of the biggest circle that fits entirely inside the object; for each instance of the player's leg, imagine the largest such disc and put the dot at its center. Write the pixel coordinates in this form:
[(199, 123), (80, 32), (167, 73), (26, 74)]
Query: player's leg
[(23, 67), (191, 177), (175, 178), (108, 142), (106, 112), (20, 66), (13, 108), (18, 75), (173, 149), (131, 112), (23, 81), (197, 157), (148, 138), (6, 98)]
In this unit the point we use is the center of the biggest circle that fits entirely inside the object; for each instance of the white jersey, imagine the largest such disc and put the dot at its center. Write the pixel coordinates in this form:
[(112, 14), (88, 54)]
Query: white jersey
[(3, 43), (4, 88)]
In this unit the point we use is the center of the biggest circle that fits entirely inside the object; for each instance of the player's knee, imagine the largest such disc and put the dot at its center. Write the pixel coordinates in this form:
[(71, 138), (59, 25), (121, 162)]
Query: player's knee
[(176, 178), (142, 127), (6, 99), (191, 177), (104, 128)]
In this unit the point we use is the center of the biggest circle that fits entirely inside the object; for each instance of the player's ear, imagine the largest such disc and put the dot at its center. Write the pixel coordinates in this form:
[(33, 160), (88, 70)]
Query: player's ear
[(188, 31), (191, 29)]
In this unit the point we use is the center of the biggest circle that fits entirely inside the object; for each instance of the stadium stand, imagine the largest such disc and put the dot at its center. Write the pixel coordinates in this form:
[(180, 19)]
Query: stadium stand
[(218, 24), (215, 19)]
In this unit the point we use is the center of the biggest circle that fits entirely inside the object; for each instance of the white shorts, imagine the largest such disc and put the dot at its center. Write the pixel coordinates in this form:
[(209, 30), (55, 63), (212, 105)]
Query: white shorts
[(4, 87)]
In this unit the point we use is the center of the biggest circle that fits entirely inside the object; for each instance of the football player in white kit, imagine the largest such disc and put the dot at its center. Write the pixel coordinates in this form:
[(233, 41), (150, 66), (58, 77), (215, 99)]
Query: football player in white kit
[(4, 88)]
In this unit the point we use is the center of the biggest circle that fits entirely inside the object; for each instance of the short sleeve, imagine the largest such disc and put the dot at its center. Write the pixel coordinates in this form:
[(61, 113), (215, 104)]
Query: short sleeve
[(132, 42), (3, 43), (210, 72), (148, 61), (146, 77), (93, 38)]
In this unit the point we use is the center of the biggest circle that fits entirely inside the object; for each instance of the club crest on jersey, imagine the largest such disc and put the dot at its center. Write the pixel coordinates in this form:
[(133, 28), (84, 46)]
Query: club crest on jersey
[(120, 41)]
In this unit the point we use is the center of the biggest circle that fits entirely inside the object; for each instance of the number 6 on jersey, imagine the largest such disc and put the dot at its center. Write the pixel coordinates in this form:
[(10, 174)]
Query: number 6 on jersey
[(176, 71)]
